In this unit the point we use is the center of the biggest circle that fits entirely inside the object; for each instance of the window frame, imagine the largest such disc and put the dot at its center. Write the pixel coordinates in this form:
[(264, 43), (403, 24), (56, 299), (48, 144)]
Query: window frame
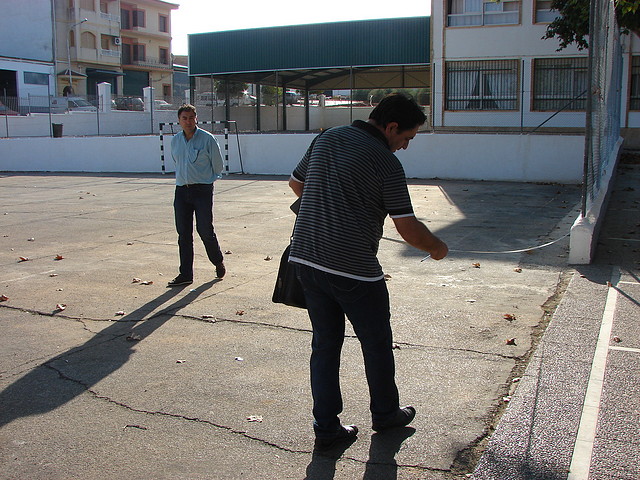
[(35, 78), (88, 5), (481, 85), (166, 54), (161, 18), (136, 14), (559, 84), (538, 12), (130, 17), (485, 13), (634, 83)]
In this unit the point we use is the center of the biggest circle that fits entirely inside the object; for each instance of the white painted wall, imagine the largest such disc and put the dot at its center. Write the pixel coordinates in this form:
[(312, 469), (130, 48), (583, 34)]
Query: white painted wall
[(518, 158), (26, 30)]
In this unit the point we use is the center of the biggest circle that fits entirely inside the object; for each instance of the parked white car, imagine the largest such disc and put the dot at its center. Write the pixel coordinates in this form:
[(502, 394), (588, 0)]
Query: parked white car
[(80, 104)]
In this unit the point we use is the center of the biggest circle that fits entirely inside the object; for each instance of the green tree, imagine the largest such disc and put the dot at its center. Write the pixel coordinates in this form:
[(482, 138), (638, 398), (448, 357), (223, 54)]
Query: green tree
[(572, 26), (360, 95), (236, 89)]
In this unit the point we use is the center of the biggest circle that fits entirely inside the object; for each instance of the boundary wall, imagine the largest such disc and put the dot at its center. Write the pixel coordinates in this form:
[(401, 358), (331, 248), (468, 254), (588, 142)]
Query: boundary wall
[(513, 158)]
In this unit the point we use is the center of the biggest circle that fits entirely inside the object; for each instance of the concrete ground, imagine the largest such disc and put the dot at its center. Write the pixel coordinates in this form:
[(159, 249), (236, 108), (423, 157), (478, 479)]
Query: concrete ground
[(576, 412), (104, 376)]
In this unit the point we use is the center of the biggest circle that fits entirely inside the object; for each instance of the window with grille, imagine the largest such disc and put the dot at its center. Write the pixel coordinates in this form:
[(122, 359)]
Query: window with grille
[(481, 85), (482, 12), (634, 101), (560, 83)]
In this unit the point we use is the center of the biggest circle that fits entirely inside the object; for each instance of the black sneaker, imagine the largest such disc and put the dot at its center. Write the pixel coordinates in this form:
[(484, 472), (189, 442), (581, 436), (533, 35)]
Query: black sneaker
[(346, 434), (180, 280), (220, 270), (401, 418)]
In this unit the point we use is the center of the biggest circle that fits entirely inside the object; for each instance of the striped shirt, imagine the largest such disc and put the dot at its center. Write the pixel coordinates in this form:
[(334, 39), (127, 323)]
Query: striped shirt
[(352, 181)]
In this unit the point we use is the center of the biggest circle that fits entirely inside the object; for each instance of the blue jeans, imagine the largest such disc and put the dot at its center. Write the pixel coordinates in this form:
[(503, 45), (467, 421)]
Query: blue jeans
[(366, 305), (188, 200)]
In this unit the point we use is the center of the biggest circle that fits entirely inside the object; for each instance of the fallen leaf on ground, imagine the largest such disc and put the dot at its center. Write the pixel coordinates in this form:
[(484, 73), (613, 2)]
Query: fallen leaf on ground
[(387, 277), (133, 337), (509, 316), (120, 313), (617, 339), (239, 312), (228, 252), (3, 298), (53, 274), (517, 270), (136, 280), (147, 282), (60, 306), (23, 259), (476, 265), (58, 257), (267, 258), (255, 418), (511, 341), (180, 361)]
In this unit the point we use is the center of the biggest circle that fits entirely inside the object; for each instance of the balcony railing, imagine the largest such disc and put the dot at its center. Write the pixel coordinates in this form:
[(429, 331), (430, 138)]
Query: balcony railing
[(147, 62), (110, 53), (109, 17)]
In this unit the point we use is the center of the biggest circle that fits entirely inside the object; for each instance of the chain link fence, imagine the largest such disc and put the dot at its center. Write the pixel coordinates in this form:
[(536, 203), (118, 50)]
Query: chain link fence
[(603, 98)]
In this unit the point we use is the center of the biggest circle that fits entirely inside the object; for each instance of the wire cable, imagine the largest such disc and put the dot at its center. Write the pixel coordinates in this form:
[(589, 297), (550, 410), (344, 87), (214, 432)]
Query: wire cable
[(521, 250)]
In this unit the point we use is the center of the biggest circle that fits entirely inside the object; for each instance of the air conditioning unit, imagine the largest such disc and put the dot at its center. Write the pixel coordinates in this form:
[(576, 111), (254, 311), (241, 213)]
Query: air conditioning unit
[(116, 40)]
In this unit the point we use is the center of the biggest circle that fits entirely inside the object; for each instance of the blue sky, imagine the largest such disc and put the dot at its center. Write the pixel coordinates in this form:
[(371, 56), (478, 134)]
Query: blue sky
[(197, 16)]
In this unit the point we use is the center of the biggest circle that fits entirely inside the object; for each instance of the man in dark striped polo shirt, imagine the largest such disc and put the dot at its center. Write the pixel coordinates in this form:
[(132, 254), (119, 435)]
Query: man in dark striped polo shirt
[(349, 180)]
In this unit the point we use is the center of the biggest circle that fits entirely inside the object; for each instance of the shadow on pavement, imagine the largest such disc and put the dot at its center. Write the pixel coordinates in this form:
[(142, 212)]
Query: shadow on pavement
[(41, 391), (380, 465)]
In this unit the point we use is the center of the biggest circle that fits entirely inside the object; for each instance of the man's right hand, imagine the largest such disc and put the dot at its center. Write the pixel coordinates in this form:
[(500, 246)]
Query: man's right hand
[(416, 234)]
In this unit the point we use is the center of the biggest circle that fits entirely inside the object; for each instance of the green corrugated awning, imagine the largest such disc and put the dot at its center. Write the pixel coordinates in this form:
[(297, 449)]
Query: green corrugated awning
[(315, 55)]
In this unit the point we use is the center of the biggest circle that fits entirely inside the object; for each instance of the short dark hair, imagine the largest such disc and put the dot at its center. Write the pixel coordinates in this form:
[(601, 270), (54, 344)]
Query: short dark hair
[(187, 107), (398, 108)]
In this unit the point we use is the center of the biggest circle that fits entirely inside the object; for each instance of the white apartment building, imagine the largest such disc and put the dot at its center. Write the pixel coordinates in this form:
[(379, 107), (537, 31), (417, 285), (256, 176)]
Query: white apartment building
[(491, 68), (26, 51)]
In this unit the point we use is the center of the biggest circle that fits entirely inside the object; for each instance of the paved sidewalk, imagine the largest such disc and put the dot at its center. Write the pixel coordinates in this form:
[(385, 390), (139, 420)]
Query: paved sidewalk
[(104, 377), (576, 411)]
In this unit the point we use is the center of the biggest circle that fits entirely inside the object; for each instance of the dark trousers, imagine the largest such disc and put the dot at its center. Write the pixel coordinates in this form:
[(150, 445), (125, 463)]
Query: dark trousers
[(366, 305), (188, 200)]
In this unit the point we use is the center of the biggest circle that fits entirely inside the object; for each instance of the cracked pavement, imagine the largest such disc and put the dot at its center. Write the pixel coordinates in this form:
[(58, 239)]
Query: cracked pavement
[(210, 381)]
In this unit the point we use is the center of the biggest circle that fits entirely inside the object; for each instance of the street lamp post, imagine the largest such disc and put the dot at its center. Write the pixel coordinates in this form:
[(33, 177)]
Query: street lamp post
[(69, 49)]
